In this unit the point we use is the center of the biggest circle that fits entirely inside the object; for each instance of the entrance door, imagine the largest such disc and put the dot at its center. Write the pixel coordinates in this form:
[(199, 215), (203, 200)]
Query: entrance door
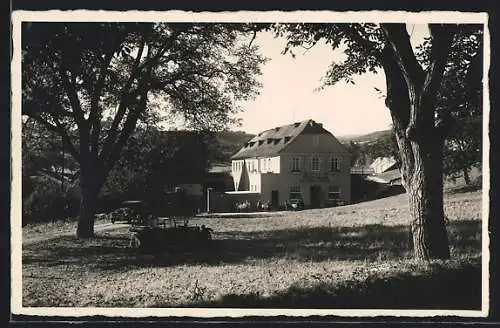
[(315, 196), (275, 199)]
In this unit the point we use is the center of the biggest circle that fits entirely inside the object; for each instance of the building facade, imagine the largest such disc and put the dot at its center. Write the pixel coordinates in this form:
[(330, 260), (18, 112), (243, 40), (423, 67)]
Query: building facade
[(300, 161)]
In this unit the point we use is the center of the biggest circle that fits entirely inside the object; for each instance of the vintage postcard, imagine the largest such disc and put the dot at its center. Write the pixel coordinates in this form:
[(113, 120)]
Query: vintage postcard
[(232, 164)]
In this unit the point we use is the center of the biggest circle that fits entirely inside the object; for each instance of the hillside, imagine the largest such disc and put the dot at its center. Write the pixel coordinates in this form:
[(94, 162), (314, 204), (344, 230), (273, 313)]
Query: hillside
[(364, 138), (229, 143)]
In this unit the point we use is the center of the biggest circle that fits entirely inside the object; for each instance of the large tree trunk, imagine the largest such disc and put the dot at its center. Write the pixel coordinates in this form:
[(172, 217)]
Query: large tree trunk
[(466, 176), (420, 144), (422, 176), (424, 187), (90, 186), (88, 202)]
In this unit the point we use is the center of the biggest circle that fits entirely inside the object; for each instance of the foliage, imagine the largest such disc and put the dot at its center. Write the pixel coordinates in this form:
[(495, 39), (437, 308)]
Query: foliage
[(228, 143), (48, 202), (43, 153), (78, 76), (48, 193), (364, 153), (461, 98), (154, 160)]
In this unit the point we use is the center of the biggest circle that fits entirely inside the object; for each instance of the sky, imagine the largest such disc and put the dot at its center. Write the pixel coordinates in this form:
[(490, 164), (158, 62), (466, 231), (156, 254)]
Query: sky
[(288, 92)]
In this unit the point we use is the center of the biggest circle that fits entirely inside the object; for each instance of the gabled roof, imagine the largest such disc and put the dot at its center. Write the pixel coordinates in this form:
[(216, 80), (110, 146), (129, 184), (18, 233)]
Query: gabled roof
[(271, 142), (383, 164)]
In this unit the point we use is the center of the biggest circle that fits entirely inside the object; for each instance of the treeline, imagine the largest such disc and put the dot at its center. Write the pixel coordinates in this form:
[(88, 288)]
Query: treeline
[(152, 162)]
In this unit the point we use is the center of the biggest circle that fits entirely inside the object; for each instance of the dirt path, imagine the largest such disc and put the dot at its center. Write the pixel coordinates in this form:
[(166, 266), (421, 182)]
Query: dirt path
[(52, 235)]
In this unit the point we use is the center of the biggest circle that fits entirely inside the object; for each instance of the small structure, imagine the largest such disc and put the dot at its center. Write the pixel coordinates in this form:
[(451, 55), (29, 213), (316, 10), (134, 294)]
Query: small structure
[(392, 177), (383, 164)]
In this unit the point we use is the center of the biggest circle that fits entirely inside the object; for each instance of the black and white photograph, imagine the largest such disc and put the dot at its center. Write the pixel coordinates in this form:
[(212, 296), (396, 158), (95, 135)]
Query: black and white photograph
[(302, 163)]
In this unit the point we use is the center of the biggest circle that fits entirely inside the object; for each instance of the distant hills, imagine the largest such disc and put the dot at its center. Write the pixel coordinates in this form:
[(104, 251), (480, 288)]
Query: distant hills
[(365, 138), (231, 141)]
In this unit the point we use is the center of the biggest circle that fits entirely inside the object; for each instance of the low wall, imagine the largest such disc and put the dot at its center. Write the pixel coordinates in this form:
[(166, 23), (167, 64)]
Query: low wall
[(221, 202)]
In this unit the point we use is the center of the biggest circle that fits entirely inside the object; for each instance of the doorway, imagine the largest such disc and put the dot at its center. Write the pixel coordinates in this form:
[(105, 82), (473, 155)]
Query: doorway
[(315, 192), (275, 199)]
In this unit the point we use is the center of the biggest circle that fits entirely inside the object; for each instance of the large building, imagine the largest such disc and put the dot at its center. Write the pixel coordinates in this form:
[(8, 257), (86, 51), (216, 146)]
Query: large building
[(299, 161)]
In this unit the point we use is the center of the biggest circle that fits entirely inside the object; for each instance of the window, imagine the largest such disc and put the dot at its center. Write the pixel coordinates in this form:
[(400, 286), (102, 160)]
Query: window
[(269, 164), (333, 193), (315, 140), (295, 192), (295, 164), (334, 164), (315, 164)]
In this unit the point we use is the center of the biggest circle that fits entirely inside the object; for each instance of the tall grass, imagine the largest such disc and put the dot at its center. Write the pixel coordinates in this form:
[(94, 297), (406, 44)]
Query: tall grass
[(350, 256)]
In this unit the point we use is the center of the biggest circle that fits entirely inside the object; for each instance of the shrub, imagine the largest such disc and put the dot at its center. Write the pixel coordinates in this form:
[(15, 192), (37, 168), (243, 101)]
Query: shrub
[(47, 201)]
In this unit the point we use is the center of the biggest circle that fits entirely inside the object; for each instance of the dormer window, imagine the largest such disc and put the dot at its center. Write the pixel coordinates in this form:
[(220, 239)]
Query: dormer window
[(277, 140), (252, 143), (296, 125), (277, 129), (261, 142), (287, 139), (269, 140)]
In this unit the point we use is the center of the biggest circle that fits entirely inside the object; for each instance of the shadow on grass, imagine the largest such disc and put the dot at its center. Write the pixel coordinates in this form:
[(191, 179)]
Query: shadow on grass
[(371, 242), (458, 189), (443, 288)]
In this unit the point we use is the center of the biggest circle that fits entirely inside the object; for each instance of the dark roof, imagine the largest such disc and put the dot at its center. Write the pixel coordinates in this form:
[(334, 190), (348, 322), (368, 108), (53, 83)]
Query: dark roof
[(391, 175), (272, 141)]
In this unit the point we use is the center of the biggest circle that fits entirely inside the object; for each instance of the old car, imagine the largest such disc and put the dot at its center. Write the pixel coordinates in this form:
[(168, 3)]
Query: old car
[(160, 225)]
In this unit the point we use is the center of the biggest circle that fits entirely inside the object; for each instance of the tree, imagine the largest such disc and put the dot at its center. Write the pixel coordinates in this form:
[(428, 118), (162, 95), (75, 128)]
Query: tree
[(461, 97), (154, 160), (420, 125), (76, 75), (384, 145)]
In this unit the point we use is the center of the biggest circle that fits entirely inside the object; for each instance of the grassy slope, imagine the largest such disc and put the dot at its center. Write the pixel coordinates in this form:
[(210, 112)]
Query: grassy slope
[(347, 256)]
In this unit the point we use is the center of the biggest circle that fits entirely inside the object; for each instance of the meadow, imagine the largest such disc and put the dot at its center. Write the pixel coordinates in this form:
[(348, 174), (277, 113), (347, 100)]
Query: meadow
[(354, 256)]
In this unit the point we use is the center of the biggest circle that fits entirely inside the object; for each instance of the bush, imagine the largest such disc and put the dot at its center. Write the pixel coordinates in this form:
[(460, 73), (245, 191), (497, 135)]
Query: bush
[(49, 202)]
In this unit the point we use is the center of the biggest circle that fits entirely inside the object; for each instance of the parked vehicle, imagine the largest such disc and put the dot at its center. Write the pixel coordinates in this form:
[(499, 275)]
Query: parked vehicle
[(152, 232), (295, 204)]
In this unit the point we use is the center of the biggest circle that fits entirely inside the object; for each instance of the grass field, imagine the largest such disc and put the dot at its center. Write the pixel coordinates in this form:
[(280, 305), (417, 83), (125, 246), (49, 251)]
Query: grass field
[(353, 256)]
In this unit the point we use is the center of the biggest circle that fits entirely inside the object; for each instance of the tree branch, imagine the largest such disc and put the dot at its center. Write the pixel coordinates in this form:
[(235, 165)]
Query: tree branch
[(399, 39), (95, 117), (412, 71), (442, 36), (61, 131), (122, 107), (69, 87)]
